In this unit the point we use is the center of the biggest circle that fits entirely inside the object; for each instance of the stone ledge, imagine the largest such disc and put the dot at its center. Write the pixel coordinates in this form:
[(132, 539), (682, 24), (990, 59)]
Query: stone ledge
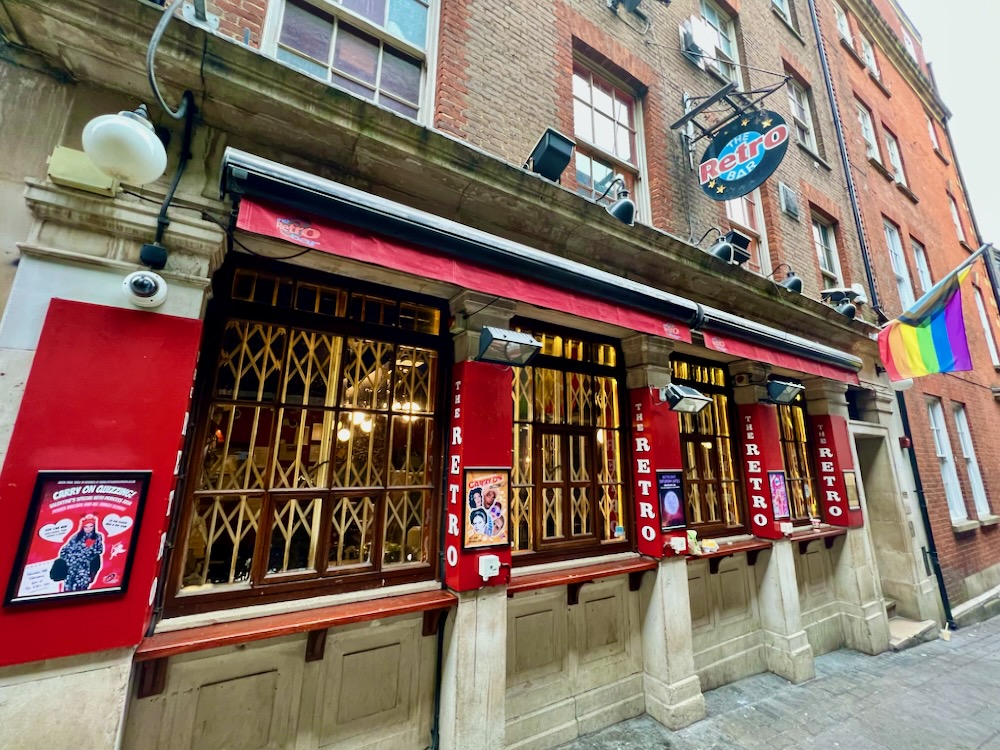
[(989, 520), (960, 527)]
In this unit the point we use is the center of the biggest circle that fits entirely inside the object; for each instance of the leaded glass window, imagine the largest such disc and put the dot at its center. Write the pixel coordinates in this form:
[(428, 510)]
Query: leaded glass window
[(796, 450)]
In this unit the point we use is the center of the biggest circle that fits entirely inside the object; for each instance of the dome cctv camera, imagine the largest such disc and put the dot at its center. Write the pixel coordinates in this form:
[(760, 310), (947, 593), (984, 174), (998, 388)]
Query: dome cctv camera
[(145, 289)]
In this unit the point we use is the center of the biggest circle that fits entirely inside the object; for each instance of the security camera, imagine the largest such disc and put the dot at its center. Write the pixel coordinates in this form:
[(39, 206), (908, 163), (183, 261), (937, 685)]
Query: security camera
[(145, 289)]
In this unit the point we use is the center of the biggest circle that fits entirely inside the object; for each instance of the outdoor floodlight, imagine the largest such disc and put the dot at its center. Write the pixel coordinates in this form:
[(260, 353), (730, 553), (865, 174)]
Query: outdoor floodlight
[(783, 391), (623, 208), (791, 282), (732, 247), (551, 155), (507, 347), (683, 398)]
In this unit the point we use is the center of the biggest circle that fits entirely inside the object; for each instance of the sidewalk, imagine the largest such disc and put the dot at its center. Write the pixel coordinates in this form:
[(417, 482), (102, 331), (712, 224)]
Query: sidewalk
[(942, 695)]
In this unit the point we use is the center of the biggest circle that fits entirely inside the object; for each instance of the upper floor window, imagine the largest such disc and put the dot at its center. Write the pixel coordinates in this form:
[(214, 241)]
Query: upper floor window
[(317, 449), (843, 25), (798, 101), (911, 48), (868, 55), (932, 132), (375, 49), (971, 462), (868, 132), (726, 52), (826, 250), (956, 218), (984, 318), (747, 215), (899, 269), (923, 270), (604, 123), (785, 10), (714, 499), (568, 481), (946, 461), (895, 158)]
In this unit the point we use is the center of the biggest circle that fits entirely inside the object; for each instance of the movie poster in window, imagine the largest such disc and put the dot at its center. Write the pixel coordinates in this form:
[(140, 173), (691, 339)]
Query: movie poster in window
[(487, 508), (80, 535), (851, 486), (670, 492), (779, 494)]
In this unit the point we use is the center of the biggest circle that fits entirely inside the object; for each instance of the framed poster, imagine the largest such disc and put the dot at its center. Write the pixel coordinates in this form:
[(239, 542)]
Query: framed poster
[(851, 487), (670, 492), (779, 494), (487, 508), (79, 539)]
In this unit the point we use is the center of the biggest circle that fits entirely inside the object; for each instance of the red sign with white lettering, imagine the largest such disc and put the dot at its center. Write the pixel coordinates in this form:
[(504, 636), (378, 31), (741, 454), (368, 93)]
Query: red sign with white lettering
[(656, 448), (833, 460), (761, 453)]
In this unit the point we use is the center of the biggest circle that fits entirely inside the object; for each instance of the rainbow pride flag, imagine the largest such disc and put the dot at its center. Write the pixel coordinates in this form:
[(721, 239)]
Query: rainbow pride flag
[(930, 337)]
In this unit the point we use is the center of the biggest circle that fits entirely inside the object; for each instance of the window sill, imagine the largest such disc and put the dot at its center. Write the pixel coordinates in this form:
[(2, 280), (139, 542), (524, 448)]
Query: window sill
[(788, 24), (827, 534), (880, 168), (853, 52), (941, 156), (961, 527), (814, 156), (881, 86), (574, 578), (907, 192), (989, 520), (752, 547)]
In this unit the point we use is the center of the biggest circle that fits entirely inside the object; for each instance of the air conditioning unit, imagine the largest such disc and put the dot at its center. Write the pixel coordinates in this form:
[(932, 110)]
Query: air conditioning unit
[(789, 200)]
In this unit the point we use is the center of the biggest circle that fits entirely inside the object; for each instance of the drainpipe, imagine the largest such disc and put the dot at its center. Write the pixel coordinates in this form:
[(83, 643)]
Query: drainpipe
[(922, 502), (845, 160)]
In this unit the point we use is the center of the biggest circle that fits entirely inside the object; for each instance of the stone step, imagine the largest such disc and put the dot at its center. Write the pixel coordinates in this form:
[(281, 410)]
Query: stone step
[(890, 607), (904, 633)]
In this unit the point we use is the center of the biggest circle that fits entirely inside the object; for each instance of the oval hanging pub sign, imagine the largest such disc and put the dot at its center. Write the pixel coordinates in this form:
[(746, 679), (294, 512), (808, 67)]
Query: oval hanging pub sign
[(743, 154)]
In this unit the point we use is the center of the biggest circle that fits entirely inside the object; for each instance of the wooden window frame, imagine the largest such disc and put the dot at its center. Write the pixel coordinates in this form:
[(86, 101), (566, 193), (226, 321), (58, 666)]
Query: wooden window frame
[(757, 234), (832, 276), (788, 443), (322, 579), (568, 546)]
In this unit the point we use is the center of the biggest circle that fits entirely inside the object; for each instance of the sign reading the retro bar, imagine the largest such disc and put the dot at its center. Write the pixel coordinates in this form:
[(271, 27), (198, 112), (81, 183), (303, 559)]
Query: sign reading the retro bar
[(743, 154)]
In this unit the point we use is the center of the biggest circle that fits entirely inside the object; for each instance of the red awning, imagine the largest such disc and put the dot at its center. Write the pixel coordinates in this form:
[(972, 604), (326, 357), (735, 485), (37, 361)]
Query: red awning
[(746, 350), (324, 235)]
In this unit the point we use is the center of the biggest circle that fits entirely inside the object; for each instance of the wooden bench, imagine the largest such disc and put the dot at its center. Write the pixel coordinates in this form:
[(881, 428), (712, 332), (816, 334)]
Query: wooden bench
[(154, 651), (574, 578)]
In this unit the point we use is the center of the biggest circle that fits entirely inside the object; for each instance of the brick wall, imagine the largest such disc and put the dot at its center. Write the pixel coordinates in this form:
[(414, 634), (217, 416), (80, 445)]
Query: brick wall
[(923, 214)]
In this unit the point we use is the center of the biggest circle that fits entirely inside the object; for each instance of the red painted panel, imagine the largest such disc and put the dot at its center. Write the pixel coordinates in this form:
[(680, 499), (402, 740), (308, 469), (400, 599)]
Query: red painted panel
[(324, 235), (757, 353), (481, 434), (108, 389), (760, 451), (656, 446), (833, 459)]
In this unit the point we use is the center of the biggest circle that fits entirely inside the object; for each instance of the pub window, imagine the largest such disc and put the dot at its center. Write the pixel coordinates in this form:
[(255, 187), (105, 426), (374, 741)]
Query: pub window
[(796, 449), (568, 484), (714, 499), (316, 448)]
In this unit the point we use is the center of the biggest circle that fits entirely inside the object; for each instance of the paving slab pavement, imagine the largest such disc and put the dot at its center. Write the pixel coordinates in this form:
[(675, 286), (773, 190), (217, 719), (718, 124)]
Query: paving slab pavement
[(941, 695)]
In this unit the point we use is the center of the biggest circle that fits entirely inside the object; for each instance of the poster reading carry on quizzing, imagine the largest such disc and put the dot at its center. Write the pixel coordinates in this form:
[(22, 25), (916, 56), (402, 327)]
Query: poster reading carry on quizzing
[(79, 536)]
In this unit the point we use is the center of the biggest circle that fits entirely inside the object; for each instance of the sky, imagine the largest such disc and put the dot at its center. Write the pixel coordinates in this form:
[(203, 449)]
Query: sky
[(959, 37)]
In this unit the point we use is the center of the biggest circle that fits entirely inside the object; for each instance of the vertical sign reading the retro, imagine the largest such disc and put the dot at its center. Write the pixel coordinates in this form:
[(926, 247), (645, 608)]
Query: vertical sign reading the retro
[(79, 539), (761, 452), (833, 461), (480, 434)]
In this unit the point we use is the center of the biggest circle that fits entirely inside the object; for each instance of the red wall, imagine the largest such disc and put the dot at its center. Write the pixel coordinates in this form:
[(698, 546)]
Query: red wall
[(108, 389)]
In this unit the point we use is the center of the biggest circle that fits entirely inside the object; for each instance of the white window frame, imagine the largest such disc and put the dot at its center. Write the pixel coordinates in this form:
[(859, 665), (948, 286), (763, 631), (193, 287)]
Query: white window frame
[(783, 9), (867, 123), (736, 212), (429, 55), (798, 104), (868, 55), (725, 27), (895, 157), (984, 319), (932, 131), (946, 461), (843, 24), (911, 48), (825, 242), (956, 218), (894, 242), (979, 496), (923, 269)]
